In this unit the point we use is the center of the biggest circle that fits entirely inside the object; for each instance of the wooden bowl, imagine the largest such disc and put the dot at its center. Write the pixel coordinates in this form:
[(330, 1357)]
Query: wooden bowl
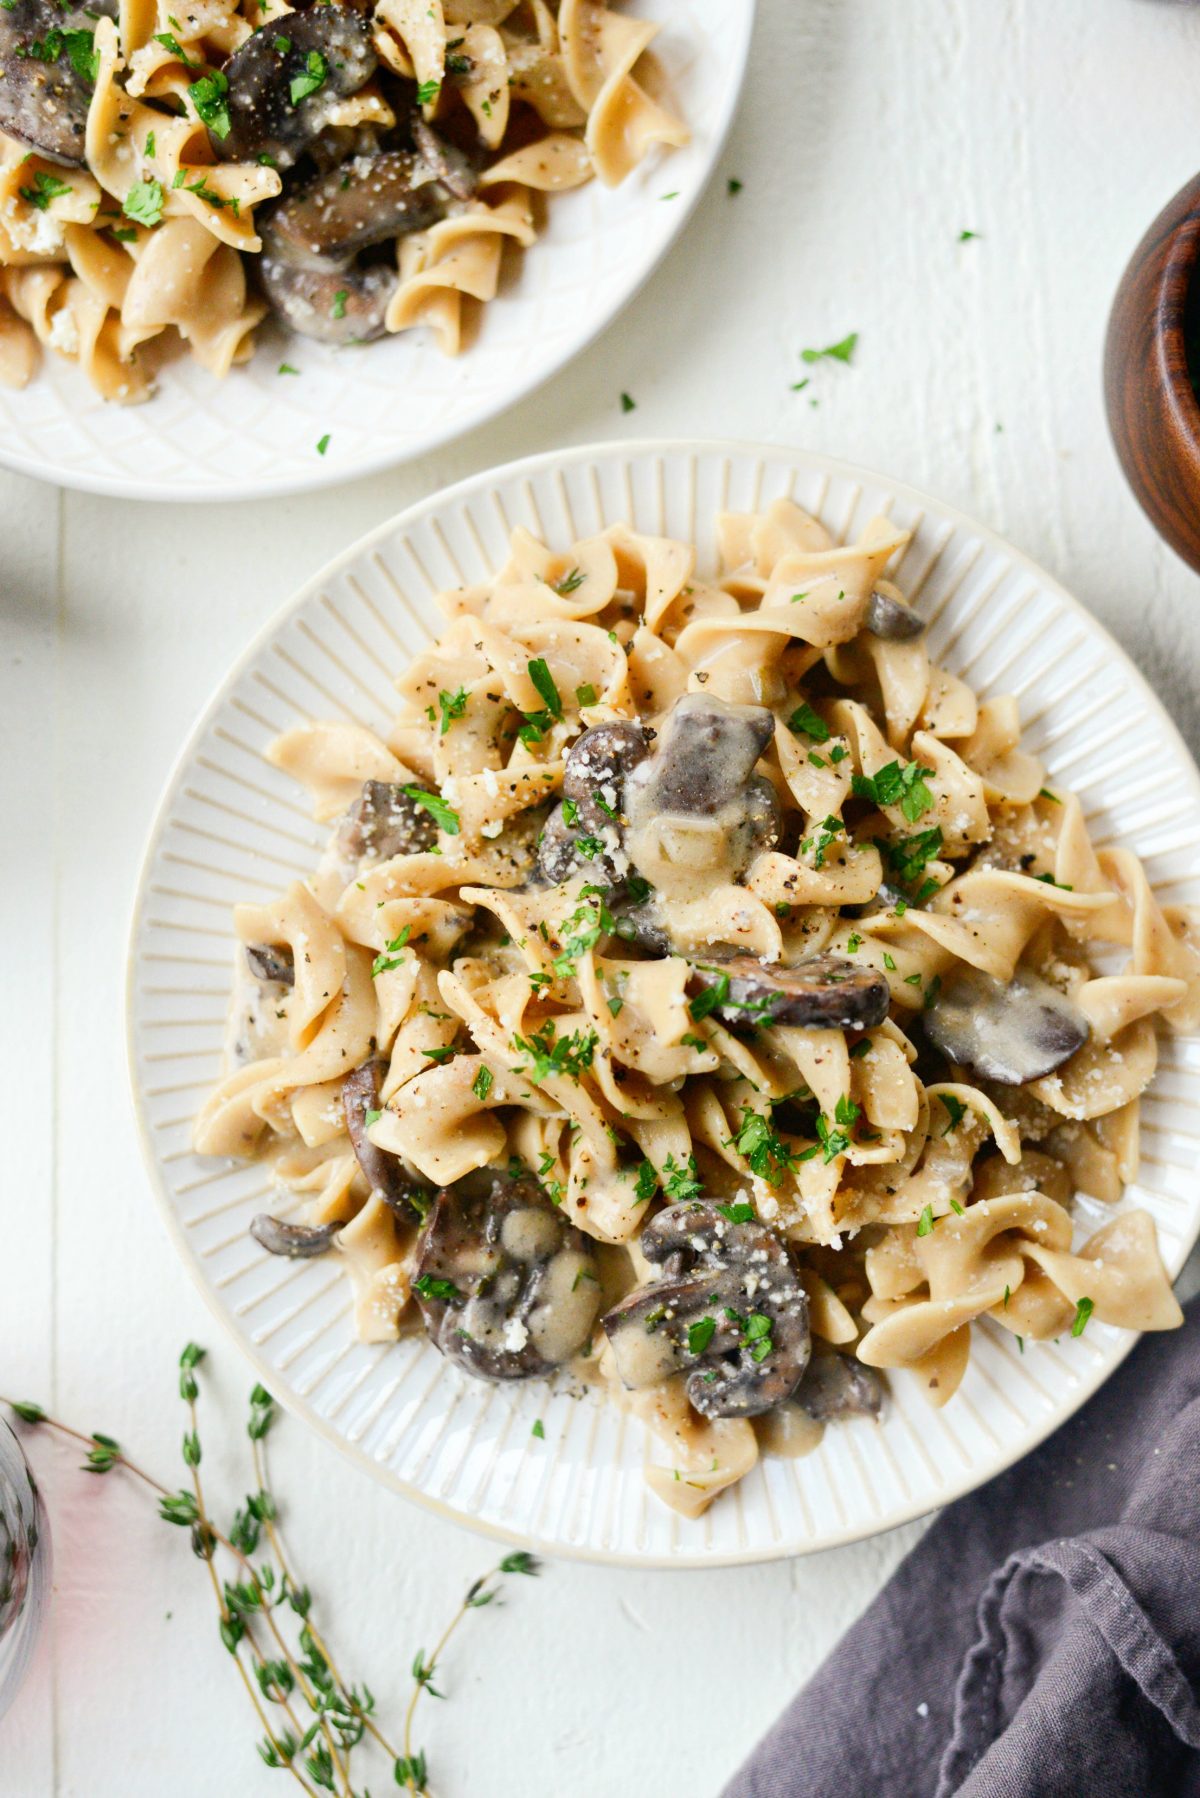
[(1153, 412)]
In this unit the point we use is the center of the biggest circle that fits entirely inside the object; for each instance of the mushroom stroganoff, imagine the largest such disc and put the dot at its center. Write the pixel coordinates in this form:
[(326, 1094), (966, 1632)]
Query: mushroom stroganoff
[(368, 158), (697, 993)]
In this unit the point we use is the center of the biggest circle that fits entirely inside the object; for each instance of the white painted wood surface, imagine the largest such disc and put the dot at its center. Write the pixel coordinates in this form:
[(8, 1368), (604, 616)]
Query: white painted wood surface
[(872, 133)]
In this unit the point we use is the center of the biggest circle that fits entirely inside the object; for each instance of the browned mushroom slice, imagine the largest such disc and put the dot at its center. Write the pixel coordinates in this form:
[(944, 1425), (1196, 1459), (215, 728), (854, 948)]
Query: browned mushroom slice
[(385, 1174), (837, 1385), (384, 821), (271, 961), (299, 1242), (47, 76), (338, 306), (728, 1310), (284, 79), (704, 768), (360, 202), (827, 992), (452, 166), (1010, 1032), (507, 1287), (587, 829), (891, 619)]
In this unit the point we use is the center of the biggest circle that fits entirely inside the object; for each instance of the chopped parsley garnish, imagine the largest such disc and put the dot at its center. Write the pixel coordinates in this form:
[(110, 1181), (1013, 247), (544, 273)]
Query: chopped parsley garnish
[(203, 192), (451, 706), (834, 1139), (316, 71), (150, 151), (430, 1287), (834, 352), (925, 1222), (481, 1086), (1045, 793), (283, 45), (737, 1214), (322, 444), (956, 1109), (700, 1334), (733, 186), (443, 815), (285, 368), (371, 1117), (680, 1183), (208, 97), (45, 188), (428, 92), (1083, 1311), (957, 1208), (582, 931), (589, 847), (442, 1055), (392, 956), (853, 943), (899, 783), (765, 1153), (585, 695), (889, 962), (538, 1431), (826, 836), (79, 46), (144, 202), (968, 236), (908, 857), (570, 583), (805, 720), (338, 309), (647, 1182), (551, 1054), (628, 404), (172, 43), (757, 1337), (543, 680)]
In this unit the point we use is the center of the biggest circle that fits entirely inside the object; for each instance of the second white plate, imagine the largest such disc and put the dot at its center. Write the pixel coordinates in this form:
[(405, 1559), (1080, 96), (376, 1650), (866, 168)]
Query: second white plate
[(257, 433), (233, 827)]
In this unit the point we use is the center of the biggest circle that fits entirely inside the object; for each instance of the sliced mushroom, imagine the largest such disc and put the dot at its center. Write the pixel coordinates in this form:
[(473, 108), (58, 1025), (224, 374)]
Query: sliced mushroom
[(1010, 1032), (45, 76), (891, 619), (452, 166), (385, 1173), (826, 992), (384, 821), (727, 1309), (361, 202), (507, 1287), (704, 768), (587, 829), (272, 961), (836, 1385), (284, 79), (299, 1242)]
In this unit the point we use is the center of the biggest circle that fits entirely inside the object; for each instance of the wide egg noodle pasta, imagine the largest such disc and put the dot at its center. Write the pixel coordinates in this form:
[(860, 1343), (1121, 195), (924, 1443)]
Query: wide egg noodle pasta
[(915, 1199)]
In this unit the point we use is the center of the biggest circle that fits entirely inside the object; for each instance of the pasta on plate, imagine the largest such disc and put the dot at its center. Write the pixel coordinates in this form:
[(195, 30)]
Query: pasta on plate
[(702, 990), (356, 167)]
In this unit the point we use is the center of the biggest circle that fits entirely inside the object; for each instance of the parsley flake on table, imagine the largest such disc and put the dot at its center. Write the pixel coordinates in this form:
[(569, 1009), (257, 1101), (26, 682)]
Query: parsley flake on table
[(733, 186), (834, 352), (627, 403), (323, 444)]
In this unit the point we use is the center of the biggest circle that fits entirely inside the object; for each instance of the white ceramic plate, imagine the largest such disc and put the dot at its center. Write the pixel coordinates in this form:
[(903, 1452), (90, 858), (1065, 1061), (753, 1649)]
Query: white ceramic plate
[(232, 827), (257, 432)]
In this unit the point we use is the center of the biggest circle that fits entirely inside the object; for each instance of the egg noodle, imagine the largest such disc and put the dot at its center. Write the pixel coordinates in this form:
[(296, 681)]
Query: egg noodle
[(726, 967), (141, 229)]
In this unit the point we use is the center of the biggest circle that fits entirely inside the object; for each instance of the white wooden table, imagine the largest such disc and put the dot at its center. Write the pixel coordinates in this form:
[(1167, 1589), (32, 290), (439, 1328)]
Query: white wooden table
[(872, 133)]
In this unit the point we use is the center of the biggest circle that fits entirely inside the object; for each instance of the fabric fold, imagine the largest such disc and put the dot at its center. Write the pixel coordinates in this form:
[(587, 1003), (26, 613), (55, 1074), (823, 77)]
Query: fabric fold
[(1044, 1636)]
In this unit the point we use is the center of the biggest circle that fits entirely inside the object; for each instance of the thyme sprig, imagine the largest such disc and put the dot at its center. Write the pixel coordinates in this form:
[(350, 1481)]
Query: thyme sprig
[(265, 1615)]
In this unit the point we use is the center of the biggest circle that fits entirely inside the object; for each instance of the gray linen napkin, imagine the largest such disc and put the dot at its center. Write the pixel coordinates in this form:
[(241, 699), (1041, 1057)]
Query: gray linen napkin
[(1043, 1638)]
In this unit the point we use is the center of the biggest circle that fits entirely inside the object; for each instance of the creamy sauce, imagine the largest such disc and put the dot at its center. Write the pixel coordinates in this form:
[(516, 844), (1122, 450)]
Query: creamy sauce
[(643, 1357), (788, 1432)]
